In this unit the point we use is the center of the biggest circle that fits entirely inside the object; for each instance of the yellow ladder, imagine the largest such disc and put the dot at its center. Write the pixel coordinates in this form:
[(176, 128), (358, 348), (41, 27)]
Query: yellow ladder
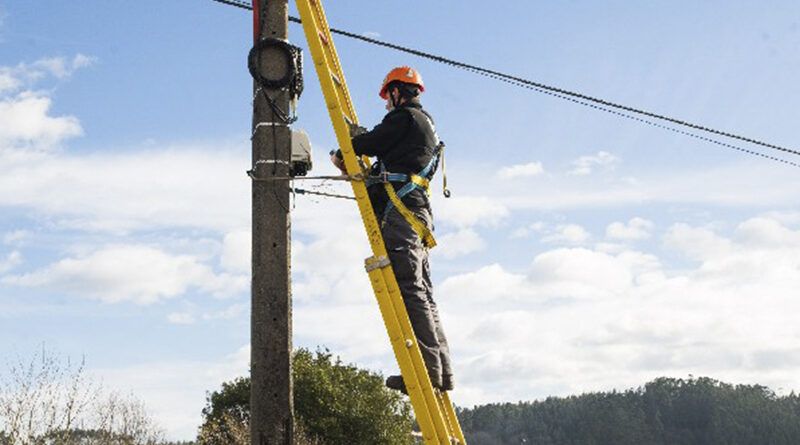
[(433, 409)]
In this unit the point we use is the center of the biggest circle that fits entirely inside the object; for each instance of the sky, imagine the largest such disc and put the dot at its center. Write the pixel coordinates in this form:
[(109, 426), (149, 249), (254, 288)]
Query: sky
[(579, 251)]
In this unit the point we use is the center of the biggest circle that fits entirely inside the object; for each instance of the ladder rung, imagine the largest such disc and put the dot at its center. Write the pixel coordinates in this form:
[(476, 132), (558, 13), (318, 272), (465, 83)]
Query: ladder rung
[(323, 38)]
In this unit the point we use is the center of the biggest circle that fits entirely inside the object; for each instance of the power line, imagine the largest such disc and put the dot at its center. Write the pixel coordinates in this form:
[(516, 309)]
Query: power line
[(575, 97), (238, 4), (648, 122)]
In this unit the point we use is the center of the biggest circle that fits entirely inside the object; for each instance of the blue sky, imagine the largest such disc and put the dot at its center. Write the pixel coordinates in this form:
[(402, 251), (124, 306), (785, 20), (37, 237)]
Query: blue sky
[(580, 251)]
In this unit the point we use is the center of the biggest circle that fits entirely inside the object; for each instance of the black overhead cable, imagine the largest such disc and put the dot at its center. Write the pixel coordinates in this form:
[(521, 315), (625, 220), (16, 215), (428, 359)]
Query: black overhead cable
[(579, 98), (645, 121)]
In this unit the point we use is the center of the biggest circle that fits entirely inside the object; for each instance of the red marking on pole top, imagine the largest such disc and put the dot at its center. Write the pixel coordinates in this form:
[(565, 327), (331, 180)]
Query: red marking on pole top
[(256, 20)]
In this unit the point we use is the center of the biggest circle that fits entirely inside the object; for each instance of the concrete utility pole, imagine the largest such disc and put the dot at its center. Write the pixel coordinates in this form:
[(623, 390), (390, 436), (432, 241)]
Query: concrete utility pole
[(271, 406)]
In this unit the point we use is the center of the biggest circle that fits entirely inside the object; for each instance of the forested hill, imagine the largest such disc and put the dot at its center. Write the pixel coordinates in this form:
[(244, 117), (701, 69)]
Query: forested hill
[(666, 411)]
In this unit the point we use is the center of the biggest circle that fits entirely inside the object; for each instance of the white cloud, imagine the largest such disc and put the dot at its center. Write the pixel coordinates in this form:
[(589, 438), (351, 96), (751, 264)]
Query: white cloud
[(697, 242), (525, 232), (487, 284), (767, 232), (11, 261), (580, 272), (584, 165), (196, 187), (181, 318), (616, 320), (330, 268), (27, 123), (460, 243), (521, 170), (636, 229), (758, 185), (571, 234), (25, 114), (520, 232), (16, 236), (229, 313), (762, 252), (8, 82), (12, 78), (354, 329), (790, 217), (236, 248), (59, 67), (135, 273), (122, 189)]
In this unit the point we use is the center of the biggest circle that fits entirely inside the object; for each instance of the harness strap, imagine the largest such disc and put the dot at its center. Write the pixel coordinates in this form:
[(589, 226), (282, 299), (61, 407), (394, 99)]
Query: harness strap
[(423, 183), (422, 231)]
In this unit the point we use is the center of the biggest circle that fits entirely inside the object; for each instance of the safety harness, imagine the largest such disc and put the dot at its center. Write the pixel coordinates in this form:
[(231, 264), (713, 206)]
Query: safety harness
[(418, 181)]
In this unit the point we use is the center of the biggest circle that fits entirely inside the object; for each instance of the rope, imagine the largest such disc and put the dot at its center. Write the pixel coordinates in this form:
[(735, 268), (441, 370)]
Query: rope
[(329, 195), (252, 176)]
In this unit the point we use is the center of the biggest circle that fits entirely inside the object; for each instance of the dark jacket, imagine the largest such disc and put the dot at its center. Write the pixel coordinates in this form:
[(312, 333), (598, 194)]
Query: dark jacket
[(405, 142)]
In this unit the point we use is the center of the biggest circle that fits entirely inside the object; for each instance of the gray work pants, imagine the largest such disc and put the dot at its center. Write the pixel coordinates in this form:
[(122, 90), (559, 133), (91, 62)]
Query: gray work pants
[(409, 259)]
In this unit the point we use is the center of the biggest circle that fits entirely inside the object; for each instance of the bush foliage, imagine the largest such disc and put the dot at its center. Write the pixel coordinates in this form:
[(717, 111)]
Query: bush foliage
[(335, 403)]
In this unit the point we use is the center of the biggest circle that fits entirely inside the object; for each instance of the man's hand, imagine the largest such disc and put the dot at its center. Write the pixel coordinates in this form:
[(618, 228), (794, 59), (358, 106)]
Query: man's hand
[(356, 130), (338, 162)]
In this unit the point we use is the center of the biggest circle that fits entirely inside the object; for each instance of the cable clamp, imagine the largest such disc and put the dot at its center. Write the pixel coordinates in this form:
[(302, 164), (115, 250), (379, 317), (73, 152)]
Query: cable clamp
[(376, 262)]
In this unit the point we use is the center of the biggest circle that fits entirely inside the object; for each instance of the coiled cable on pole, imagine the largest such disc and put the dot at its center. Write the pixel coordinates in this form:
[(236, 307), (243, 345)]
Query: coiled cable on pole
[(292, 78)]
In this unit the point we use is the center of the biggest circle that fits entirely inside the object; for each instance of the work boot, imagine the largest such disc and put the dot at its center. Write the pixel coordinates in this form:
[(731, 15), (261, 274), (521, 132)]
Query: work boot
[(447, 382), (396, 383)]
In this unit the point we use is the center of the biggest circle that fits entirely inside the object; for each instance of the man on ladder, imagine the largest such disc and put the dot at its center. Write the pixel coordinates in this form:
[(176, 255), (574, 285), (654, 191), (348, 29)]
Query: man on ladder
[(408, 151)]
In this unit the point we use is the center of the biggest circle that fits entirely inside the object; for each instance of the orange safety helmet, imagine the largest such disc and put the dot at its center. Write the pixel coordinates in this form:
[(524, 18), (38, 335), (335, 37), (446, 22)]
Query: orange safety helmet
[(404, 74)]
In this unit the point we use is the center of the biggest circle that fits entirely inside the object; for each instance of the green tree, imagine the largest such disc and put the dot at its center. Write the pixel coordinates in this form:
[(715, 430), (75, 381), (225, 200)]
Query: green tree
[(335, 403), (666, 411)]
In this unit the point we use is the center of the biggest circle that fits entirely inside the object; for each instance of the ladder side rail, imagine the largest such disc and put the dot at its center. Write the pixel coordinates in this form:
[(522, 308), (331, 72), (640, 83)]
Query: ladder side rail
[(324, 32), (453, 423), (332, 56), (396, 299), (324, 29), (341, 129), (422, 381)]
